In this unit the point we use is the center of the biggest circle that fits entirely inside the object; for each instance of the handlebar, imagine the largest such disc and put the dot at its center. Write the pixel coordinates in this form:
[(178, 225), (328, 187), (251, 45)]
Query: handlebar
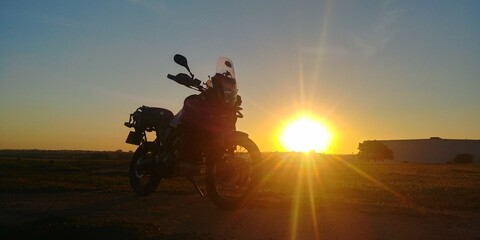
[(184, 79), (193, 83)]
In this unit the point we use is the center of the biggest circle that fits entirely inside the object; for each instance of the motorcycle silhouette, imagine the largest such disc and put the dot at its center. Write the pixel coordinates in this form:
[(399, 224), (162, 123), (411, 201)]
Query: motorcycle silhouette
[(199, 140)]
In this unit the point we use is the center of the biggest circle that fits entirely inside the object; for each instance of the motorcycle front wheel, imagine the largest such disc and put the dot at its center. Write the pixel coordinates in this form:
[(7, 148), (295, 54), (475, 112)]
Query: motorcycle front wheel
[(232, 179), (144, 177)]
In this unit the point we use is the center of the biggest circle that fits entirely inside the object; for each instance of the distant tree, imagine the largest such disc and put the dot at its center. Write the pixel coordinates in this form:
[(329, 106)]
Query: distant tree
[(374, 150), (463, 158)]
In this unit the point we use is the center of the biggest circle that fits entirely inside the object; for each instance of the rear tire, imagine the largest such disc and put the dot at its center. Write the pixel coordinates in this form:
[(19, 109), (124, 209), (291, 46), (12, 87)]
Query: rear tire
[(144, 177), (232, 179)]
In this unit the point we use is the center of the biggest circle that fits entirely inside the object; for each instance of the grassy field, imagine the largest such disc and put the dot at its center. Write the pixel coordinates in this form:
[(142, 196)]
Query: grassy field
[(289, 181), (435, 187), (393, 186)]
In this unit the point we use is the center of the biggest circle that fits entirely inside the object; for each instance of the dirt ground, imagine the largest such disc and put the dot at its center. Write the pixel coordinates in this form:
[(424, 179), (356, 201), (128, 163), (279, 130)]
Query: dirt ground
[(186, 215)]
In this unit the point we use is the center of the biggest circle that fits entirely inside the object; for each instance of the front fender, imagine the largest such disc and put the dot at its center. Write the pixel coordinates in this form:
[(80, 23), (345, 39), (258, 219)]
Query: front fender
[(232, 137)]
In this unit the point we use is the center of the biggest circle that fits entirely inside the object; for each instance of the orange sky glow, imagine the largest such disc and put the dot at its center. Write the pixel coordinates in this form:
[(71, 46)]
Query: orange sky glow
[(72, 72)]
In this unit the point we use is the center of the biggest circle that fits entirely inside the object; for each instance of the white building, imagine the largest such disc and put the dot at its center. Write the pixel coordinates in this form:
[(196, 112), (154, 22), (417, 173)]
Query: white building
[(433, 150)]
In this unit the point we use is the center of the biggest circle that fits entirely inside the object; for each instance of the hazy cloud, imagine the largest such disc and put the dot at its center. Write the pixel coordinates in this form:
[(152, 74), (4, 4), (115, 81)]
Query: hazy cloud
[(377, 35), (365, 39)]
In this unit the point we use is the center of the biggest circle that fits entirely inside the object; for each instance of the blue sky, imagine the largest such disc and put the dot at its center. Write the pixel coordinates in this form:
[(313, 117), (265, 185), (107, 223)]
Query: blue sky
[(72, 71)]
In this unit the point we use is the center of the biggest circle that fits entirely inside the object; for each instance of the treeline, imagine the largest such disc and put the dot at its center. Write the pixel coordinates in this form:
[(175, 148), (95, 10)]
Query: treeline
[(66, 154)]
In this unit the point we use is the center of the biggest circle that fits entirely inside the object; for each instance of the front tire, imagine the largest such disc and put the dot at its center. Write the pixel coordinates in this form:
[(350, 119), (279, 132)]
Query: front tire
[(232, 179), (144, 177)]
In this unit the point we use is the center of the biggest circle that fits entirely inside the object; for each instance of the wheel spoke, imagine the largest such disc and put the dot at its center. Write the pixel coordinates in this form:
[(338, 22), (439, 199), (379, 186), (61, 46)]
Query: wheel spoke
[(143, 177), (232, 175)]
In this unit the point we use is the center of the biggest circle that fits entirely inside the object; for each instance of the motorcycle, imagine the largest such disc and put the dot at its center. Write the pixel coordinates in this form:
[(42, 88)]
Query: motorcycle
[(229, 160)]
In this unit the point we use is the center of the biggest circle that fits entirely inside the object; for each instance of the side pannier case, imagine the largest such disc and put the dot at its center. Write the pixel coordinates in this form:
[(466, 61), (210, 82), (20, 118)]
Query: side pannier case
[(147, 119)]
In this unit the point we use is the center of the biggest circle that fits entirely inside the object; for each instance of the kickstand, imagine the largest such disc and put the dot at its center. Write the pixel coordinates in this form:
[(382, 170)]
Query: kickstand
[(196, 186)]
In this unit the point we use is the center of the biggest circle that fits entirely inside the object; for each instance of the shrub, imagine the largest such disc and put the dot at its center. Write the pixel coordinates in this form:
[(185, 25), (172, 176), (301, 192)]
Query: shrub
[(374, 150)]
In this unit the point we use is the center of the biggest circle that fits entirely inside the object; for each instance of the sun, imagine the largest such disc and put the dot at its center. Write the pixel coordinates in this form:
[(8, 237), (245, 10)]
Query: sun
[(305, 134)]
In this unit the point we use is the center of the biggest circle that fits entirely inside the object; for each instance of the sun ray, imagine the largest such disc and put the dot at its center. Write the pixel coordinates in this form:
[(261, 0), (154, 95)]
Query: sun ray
[(321, 46), (406, 202), (296, 204), (311, 194)]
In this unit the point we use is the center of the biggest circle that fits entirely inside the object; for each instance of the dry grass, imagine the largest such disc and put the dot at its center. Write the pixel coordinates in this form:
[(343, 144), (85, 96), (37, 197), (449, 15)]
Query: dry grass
[(437, 187), (289, 181), (393, 186)]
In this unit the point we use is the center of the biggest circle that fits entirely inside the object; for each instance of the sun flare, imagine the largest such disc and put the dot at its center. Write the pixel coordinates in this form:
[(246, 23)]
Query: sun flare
[(304, 135)]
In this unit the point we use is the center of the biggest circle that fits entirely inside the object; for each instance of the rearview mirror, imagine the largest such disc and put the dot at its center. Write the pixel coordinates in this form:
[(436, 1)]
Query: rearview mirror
[(181, 60)]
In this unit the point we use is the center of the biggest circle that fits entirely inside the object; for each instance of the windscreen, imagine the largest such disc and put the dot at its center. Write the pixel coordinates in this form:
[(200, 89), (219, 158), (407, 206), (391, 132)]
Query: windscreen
[(225, 67)]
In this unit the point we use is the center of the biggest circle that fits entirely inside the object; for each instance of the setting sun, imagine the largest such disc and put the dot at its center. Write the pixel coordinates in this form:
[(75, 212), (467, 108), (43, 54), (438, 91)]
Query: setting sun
[(305, 134)]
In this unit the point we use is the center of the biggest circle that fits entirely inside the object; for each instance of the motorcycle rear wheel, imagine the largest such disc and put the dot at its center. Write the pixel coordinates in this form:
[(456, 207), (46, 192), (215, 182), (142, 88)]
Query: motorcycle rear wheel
[(144, 178), (233, 180)]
